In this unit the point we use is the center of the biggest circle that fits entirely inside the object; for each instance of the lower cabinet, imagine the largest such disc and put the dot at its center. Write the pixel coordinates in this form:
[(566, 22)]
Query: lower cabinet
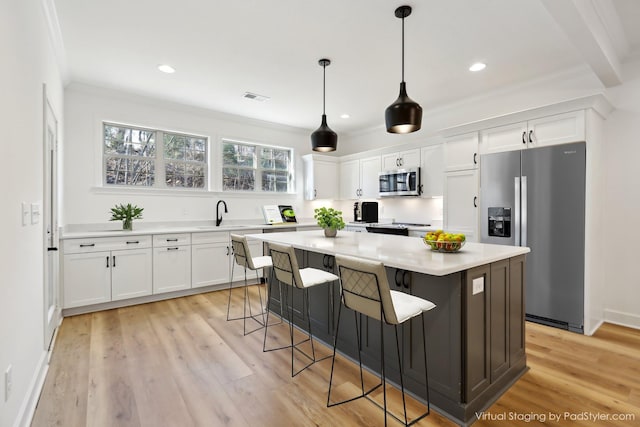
[(131, 274), (210, 254), (87, 279), (171, 262)]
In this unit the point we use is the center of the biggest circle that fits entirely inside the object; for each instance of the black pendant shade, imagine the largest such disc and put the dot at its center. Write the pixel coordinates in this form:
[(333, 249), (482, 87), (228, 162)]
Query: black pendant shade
[(324, 139), (404, 115)]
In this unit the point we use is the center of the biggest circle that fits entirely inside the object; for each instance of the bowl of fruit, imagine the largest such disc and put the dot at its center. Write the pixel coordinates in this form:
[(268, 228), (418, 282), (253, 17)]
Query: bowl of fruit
[(444, 242)]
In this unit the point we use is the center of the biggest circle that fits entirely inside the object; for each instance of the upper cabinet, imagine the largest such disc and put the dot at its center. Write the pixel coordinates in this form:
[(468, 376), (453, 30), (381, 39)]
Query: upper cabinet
[(320, 177), (401, 160), (432, 170), (359, 178), (461, 152), (550, 130)]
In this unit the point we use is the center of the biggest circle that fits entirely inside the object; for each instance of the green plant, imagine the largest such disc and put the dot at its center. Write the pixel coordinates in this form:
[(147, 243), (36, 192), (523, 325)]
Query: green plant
[(329, 218), (126, 214)]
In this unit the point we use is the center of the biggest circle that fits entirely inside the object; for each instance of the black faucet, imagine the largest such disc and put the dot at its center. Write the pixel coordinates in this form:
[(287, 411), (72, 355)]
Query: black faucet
[(218, 216)]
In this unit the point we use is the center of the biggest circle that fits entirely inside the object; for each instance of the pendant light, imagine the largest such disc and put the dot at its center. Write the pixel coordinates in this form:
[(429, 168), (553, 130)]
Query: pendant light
[(323, 138), (404, 115)]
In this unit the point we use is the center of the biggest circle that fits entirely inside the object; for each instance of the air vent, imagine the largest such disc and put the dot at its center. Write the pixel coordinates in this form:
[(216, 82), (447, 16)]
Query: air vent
[(255, 97)]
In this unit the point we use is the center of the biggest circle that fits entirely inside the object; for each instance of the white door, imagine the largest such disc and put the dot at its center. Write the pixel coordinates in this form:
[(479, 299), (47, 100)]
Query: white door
[(172, 269), (87, 278), (369, 177), (52, 314), (131, 273), (461, 203), (210, 264)]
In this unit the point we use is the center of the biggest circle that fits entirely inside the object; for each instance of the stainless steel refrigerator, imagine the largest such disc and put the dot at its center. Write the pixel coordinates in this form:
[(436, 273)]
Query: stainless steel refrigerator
[(536, 198)]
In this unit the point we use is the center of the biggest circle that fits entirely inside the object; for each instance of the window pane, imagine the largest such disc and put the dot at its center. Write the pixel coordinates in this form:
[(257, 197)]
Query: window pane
[(238, 154), (129, 141), (123, 171), (238, 179), (174, 146), (275, 181), (272, 158)]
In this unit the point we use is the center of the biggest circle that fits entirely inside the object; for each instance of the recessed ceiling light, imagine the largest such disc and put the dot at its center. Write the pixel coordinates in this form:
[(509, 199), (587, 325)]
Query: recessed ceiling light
[(345, 116), (478, 66), (166, 69)]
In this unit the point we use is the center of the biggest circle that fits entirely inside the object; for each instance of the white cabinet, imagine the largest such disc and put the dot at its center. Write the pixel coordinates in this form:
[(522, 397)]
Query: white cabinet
[(209, 258), (432, 170), (401, 160), (320, 177), (359, 178), (549, 130), (171, 262), (461, 203), (98, 270), (461, 152)]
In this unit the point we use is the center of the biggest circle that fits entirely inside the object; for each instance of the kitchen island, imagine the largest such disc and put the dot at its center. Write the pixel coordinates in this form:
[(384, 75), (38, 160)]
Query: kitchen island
[(475, 335)]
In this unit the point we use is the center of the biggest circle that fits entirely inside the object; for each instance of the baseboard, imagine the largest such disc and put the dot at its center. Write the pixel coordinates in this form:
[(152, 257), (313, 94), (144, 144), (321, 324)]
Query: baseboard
[(28, 407), (620, 318)]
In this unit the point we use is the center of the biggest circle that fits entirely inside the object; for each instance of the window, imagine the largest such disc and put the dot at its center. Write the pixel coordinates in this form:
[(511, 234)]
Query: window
[(153, 158), (253, 167)]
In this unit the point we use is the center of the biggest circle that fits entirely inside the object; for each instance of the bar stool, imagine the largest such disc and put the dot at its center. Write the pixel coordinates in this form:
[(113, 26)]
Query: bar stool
[(365, 290), (244, 259), (286, 270)]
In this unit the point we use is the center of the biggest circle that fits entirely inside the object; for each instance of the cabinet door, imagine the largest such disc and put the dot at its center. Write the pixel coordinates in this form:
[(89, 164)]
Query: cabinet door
[(210, 264), (369, 176), (558, 129), (461, 152), (131, 274), (325, 179), (350, 179), (504, 138), (432, 171), (498, 294), (476, 331), (391, 161), (171, 268), (461, 203), (87, 279), (409, 159)]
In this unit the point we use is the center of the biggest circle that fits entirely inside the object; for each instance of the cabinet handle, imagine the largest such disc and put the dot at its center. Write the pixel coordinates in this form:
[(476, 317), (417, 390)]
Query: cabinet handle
[(530, 136), (475, 158), (114, 260), (397, 164), (172, 249), (397, 280), (133, 242), (315, 193), (87, 245), (524, 137), (475, 201), (107, 262), (227, 250), (400, 161), (172, 240), (406, 282)]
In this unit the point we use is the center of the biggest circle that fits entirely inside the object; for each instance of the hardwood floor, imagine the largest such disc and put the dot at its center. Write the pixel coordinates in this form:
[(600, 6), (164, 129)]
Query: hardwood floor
[(180, 363)]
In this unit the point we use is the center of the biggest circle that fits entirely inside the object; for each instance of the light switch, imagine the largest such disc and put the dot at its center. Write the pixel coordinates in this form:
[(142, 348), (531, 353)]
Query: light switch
[(35, 213), (478, 285), (25, 212)]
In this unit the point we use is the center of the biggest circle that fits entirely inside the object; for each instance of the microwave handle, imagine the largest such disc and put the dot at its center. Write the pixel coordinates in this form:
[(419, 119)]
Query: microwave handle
[(407, 179)]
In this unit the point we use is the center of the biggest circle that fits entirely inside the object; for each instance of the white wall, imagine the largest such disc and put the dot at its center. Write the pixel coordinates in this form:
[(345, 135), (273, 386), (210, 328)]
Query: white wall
[(86, 203), (620, 229), (27, 63)]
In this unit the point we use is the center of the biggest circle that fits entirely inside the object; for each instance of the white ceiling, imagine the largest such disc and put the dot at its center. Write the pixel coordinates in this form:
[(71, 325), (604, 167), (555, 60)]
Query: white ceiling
[(222, 49)]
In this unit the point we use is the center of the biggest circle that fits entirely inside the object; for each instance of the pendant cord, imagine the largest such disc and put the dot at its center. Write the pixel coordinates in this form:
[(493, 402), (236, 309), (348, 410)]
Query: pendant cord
[(403, 48), (324, 76)]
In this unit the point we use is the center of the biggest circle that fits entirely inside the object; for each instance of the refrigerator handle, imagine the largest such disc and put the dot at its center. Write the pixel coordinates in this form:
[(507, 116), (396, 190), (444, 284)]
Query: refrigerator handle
[(524, 211), (516, 213)]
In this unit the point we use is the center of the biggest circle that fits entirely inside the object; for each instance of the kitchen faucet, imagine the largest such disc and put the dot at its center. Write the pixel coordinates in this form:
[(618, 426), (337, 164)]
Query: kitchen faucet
[(218, 215)]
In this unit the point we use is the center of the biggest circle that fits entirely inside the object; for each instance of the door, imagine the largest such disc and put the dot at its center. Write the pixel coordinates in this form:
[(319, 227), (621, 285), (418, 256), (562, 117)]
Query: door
[(350, 179), (209, 264), (172, 269), (461, 203), (369, 172), (131, 274), (499, 184), (87, 278), (553, 208), (51, 299)]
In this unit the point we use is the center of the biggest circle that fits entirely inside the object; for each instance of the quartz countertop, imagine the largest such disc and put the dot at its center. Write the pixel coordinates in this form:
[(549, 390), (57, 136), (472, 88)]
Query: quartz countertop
[(170, 228), (402, 252)]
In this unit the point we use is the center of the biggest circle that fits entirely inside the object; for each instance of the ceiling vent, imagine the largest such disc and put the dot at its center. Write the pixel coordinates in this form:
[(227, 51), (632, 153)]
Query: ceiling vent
[(255, 97)]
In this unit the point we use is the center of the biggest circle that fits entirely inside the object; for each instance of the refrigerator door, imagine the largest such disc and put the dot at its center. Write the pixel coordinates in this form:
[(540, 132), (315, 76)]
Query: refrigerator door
[(498, 197), (555, 220)]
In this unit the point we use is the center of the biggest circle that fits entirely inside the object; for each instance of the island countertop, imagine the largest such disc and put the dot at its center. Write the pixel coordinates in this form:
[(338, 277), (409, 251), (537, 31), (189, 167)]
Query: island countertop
[(407, 253)]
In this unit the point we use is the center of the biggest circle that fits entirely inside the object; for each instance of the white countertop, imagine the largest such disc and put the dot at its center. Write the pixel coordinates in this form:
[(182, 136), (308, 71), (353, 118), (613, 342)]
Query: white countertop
[(407, 253), (146, 229)]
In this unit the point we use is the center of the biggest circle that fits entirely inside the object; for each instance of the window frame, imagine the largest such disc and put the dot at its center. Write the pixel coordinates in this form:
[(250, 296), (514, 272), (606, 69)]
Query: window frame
[(258, 169), (159, 160)]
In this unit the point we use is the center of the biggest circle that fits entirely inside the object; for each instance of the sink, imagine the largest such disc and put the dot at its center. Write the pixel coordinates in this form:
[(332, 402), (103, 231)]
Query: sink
[(221, 228)]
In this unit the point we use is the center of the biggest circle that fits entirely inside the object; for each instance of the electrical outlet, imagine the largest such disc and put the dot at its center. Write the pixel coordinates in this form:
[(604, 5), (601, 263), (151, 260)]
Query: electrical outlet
[(26, 212), (478, 285), (8, 382)]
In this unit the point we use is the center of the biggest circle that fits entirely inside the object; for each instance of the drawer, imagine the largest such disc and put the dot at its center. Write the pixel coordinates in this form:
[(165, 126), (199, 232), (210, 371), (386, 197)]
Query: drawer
[(177, 239), (97, 244), (210, 237)]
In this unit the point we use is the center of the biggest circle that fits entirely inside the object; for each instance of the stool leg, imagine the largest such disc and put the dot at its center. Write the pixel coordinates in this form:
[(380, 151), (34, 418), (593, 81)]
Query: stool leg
[(400, 359), (383, 374), (230, 283), (333, 361)]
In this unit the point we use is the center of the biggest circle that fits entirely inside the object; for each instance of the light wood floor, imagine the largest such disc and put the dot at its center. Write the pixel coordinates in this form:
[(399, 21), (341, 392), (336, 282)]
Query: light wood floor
[(180, 363)]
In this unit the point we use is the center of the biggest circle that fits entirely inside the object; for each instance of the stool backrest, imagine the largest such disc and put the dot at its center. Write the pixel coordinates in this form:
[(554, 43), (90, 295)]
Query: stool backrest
[(241, 251), (285, 264), (365, 288)]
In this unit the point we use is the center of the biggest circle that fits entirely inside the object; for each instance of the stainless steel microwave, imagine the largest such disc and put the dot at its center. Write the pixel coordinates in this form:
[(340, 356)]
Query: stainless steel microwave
[(401, 182)]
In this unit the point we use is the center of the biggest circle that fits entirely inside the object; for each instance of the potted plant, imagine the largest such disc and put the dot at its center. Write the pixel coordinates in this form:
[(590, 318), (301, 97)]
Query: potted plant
[(330, 220), (126, 214)]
